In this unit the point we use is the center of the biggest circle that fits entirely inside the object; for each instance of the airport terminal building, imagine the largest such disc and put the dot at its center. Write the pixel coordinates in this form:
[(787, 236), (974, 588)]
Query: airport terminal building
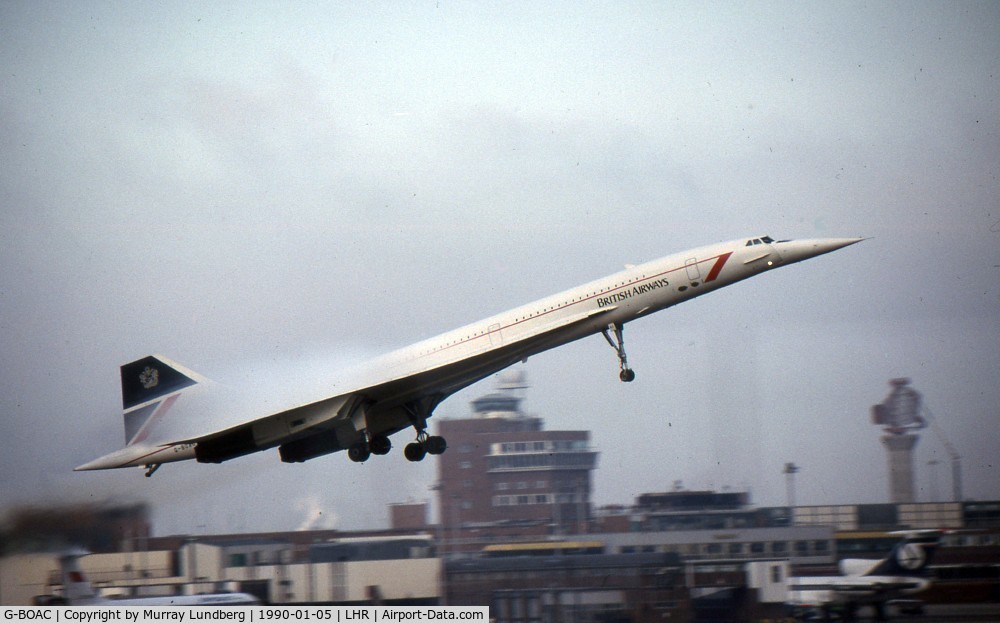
[(517, 531), (642, 573)]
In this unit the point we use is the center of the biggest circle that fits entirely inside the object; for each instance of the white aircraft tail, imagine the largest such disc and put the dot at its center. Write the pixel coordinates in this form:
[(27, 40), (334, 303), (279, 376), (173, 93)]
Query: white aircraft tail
[(149, 387), (77, 589)]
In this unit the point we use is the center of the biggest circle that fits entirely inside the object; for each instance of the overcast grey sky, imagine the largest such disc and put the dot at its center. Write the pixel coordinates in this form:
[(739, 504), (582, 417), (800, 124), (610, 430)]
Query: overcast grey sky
[(254, 189)]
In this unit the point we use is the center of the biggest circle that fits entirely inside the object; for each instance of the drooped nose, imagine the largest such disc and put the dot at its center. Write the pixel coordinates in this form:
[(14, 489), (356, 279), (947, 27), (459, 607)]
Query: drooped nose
[(798, 250)]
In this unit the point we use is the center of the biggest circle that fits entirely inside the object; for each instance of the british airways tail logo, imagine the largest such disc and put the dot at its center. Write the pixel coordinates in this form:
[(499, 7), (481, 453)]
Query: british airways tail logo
[(150, 377)]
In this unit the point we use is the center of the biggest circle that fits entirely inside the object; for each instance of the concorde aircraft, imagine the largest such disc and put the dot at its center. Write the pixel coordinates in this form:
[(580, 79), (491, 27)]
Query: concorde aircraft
[(78, 591), (876, 583), (401, 389)]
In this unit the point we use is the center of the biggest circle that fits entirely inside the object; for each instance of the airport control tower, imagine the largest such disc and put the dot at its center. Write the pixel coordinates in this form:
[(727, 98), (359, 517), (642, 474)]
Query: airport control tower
[(899, 417), (503, 468)]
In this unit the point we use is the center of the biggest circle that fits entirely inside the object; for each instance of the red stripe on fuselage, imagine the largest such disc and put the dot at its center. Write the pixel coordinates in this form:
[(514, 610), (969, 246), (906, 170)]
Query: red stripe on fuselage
[(717, 267)]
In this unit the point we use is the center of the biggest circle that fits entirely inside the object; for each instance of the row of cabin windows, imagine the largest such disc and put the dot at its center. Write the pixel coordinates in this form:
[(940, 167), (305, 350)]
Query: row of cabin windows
[(576, 300)]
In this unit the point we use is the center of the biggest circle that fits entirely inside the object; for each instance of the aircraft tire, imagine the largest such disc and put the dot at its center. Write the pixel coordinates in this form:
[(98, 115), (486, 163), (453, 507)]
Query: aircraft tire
[(359, 452), (380, 445), (435, 445), (414, 452), (627, 375)]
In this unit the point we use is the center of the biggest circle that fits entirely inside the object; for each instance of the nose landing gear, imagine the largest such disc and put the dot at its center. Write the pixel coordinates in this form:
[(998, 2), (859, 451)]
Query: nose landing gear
[(613, 333)]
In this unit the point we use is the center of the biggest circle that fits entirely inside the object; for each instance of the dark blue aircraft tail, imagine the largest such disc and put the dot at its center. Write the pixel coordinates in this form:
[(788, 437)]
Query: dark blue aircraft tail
[(910, 556), (149, 387)]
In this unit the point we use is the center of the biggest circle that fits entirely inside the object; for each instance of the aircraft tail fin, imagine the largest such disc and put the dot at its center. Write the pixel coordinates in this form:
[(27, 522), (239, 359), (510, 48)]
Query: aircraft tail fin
[(77, 589), (149, 387), (910, 556)]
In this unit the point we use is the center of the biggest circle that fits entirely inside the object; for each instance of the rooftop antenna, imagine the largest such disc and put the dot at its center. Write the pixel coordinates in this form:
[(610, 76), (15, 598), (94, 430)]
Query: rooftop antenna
[(790, 470)]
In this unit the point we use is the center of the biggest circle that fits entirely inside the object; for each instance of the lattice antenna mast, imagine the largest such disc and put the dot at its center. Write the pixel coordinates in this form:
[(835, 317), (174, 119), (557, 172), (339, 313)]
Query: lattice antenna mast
[(956, 460)]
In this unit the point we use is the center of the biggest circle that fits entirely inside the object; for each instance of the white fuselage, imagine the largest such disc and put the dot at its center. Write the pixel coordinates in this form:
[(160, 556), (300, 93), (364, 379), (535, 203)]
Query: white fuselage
[(819, 590), (78, 591), (214, 599), (616, 299)]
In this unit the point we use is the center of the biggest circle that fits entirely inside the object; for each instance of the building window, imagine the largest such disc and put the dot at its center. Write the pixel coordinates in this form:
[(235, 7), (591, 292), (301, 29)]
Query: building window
[(776, 573)]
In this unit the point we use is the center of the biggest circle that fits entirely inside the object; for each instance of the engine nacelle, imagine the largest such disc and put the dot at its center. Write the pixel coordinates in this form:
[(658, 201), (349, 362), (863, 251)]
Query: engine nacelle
[(311, 447), (237, 443)]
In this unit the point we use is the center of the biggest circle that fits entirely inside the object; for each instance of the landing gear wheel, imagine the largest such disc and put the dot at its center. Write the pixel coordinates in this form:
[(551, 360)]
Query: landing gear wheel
[(435, 445), (627, 375), (381, 445), (359, 452), (414, 452)]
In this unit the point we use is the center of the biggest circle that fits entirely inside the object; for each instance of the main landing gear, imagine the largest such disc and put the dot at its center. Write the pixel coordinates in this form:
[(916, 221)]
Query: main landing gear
[(418, 412), (424, 445), (362, 450), (414, 451), (613, 334)]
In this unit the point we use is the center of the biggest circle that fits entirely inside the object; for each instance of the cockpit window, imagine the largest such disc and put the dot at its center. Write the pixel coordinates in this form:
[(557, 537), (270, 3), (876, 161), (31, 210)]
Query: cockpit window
[(765, 239)]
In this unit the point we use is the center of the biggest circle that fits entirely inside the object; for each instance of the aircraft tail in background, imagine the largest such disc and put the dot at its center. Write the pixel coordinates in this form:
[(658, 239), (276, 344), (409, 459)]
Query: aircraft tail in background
[(77, 589), (910, 556)]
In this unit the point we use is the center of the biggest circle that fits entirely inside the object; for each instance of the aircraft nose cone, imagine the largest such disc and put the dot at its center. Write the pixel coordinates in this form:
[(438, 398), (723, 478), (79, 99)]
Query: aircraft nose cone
[(798, 250)]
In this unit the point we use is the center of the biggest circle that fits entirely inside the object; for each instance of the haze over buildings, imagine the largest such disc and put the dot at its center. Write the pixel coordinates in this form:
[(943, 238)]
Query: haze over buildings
[(271, 192)]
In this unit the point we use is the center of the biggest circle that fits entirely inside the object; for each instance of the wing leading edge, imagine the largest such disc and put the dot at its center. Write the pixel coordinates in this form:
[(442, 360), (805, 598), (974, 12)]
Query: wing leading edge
[(381, 409)]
